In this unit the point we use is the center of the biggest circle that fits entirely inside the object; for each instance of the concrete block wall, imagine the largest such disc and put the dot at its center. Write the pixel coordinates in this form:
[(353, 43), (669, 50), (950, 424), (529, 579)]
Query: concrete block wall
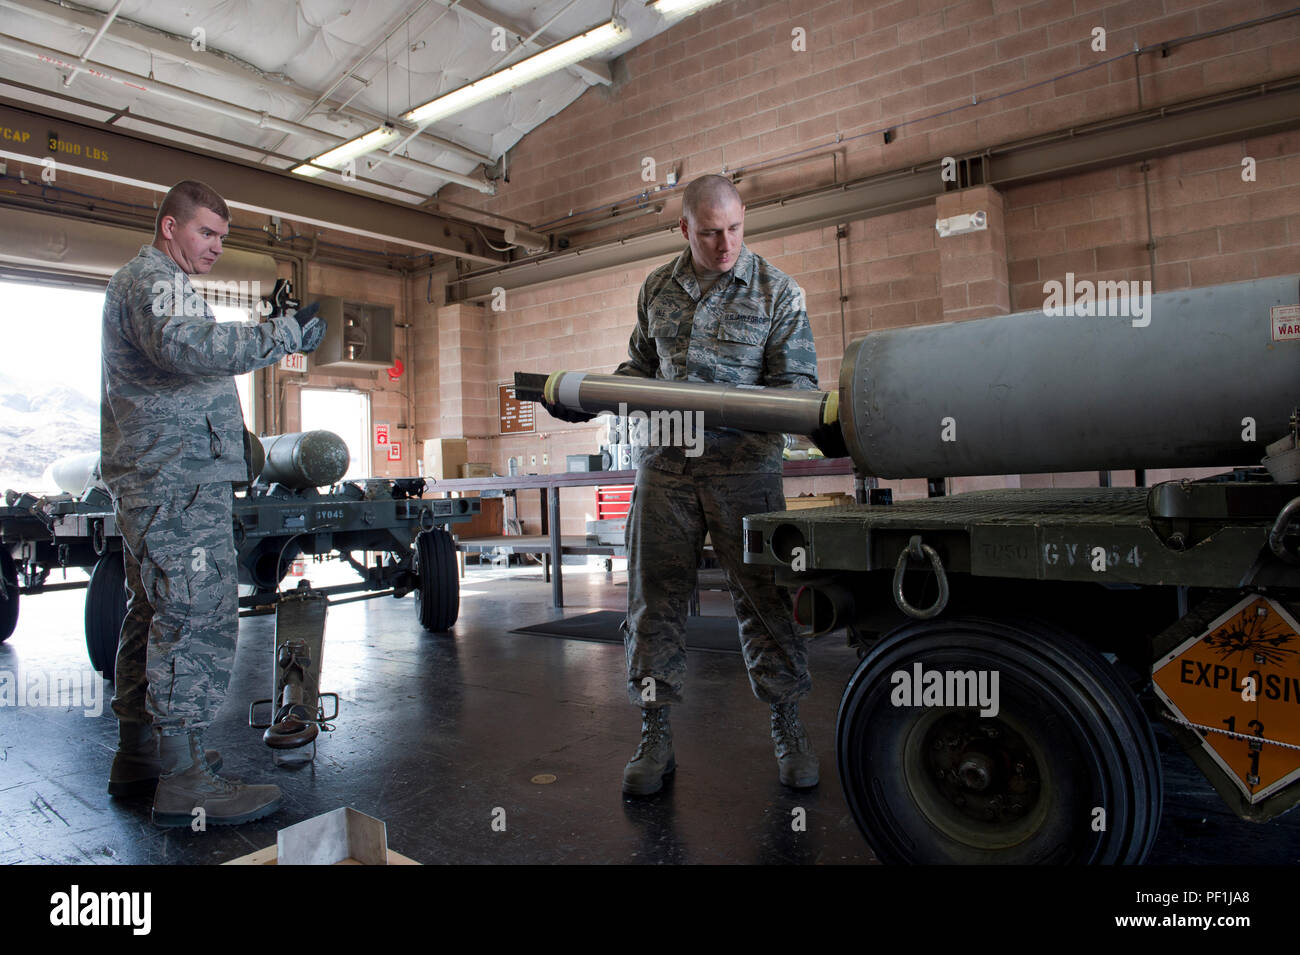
[(390, 401), (1209, 225), (727, 89)]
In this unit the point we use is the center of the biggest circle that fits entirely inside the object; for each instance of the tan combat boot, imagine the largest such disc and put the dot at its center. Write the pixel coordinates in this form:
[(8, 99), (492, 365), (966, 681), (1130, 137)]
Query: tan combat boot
[(136, 767), (188, 783), (794, 755), (653, 759)]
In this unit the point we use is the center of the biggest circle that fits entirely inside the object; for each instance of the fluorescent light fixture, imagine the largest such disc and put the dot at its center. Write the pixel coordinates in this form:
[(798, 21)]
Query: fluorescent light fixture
[(553, 58), (682, 8), (340, 155)]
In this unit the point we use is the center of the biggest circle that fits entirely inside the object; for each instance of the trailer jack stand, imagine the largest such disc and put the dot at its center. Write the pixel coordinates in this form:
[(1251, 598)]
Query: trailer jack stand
[(298, 715)]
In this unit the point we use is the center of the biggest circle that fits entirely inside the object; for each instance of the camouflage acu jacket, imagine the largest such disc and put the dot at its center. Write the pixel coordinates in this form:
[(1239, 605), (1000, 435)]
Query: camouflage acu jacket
[(169, 412), (750, 329)]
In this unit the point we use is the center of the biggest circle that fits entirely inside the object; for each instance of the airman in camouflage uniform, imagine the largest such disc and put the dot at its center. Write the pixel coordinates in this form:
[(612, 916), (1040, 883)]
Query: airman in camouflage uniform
[(171, 444), (718, 313)]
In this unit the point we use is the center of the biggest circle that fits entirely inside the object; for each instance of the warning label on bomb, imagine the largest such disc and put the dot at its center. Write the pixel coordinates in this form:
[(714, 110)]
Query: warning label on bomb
[(1286, 323)]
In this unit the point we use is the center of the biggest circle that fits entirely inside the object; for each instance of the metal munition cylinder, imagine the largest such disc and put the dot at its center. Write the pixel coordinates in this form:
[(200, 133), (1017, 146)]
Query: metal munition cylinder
[(746, 407), (255, 455), (1195, 378), (75, 472), (304, 459)]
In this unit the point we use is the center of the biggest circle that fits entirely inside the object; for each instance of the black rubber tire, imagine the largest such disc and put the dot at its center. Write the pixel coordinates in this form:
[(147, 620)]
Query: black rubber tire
[(9, 607), (1069, 737), (105, 611), (437, 600)]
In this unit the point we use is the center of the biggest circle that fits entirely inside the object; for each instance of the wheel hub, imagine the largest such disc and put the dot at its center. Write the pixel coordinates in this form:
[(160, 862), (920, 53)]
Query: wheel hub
[(975, 778)]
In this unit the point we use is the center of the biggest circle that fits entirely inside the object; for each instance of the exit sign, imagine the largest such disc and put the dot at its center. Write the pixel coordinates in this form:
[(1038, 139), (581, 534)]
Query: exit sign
[(295, 361)]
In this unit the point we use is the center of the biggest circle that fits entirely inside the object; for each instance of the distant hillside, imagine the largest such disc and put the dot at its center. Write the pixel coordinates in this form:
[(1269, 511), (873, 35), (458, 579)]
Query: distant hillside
[(39, 426)]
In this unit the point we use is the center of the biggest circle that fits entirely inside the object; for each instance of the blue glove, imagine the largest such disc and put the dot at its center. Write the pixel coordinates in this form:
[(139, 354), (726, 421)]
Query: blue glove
[(565, 414), (830, 441), (306, 314), (313, 333)]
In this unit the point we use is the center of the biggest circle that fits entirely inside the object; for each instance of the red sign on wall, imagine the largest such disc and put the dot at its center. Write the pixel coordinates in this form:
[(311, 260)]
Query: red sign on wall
[(381, 434), (395, 451)]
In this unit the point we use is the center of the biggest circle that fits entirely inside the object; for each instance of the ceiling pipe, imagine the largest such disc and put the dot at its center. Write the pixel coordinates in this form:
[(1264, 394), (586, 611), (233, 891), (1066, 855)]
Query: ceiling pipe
[(214, 62), (142, 84), (523, 45), (401, 192), (361, 62), (94, 41)]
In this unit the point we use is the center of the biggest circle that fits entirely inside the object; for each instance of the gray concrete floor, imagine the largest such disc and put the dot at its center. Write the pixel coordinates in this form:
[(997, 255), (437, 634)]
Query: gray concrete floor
[(438, 733)]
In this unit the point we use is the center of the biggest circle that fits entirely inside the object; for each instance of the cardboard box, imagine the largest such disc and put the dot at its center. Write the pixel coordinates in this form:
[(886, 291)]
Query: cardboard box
[(476, 469), (341, 837), (443, 457)]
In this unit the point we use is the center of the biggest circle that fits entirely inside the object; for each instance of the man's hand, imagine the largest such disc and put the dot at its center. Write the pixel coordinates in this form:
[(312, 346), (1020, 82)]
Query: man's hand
[(313, 333), (830, 441), (313, 328), (305, 314), (564, 414)]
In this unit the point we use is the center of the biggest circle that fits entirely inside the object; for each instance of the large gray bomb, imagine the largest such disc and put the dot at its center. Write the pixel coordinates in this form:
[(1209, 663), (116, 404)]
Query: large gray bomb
[(1198, 378), (304, 459), (74, 473)]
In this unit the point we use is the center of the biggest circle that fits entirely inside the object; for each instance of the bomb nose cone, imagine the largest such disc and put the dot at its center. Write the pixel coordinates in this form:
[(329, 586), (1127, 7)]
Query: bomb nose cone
[(304, 459)]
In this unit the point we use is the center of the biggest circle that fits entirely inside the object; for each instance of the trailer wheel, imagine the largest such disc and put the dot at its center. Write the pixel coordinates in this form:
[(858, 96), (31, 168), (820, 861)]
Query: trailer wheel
[(9, 601), (105, 611), (1066, 771), (437, 600)]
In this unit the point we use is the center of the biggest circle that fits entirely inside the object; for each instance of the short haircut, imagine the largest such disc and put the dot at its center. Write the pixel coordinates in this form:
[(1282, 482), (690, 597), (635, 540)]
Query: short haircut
[(184, 198), (708, 191)]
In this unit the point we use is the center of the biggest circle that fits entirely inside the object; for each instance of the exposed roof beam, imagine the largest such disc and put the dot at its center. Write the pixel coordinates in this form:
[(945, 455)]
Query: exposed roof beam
[(251, 117), (1157, 131), (351, 72), (593, 71), (94, 40), (238, 150), (148, 162), (177, 49)]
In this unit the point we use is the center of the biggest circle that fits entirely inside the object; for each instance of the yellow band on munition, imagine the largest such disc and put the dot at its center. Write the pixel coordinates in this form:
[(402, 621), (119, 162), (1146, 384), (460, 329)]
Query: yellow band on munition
[(552, 382), (831, 408)]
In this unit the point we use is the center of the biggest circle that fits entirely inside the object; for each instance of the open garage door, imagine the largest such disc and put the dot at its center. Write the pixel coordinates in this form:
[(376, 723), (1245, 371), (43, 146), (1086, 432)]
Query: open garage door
[(73, 251), (53, 271)]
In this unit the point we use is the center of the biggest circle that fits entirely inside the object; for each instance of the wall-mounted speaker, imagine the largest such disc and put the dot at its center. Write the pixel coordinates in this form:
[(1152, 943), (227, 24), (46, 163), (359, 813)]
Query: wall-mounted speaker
[(357, 335)]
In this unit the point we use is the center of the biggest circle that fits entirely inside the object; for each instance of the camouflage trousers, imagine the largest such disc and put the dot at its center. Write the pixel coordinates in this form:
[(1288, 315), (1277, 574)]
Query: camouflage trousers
[(666, 524), (182, 615)]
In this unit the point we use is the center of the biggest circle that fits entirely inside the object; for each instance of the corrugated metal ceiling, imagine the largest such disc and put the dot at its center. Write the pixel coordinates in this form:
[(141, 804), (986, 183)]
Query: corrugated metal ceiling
[(337, 66)]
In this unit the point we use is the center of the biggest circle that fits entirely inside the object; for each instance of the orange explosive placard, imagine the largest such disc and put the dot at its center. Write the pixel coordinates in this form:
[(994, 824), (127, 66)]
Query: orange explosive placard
[(1241, 675)]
